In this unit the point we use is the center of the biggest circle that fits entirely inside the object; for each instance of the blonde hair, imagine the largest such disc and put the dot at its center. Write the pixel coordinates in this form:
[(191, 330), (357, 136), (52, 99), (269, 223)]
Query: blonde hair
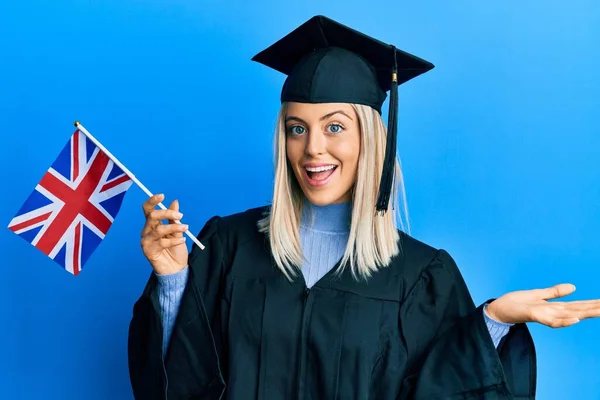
[(373, 238)]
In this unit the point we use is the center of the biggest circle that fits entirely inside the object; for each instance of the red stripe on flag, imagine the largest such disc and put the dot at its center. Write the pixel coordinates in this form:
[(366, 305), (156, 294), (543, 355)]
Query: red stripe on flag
[(76, 249), (114, 183), (29, 222), (92, 214), (75, 153), (76, 202), (57, 187)]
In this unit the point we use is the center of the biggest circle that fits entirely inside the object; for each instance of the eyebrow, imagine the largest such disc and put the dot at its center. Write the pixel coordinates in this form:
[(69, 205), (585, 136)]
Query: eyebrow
[(335, 112), (324, 117), (292, 118)]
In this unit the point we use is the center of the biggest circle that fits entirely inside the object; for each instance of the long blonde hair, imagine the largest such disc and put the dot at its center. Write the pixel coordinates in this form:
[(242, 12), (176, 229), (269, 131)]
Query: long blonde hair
[(373, 239)]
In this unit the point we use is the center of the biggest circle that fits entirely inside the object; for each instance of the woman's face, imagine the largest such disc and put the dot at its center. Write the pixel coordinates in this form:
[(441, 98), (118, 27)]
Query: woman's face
[(323, 145)]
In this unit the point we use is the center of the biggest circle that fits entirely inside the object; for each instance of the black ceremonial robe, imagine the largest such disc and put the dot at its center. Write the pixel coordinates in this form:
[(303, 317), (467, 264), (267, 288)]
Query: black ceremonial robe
[(245, 332)]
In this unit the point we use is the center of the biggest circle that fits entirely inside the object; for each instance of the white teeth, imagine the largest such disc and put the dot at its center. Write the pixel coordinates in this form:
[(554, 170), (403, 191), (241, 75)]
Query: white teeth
[(320, 169)]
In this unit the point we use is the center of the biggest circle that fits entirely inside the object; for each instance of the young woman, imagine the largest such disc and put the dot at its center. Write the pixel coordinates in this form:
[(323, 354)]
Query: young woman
[(319, 295)]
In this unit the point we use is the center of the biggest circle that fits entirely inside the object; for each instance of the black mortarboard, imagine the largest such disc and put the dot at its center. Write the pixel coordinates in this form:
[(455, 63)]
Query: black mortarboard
[(327, 62)]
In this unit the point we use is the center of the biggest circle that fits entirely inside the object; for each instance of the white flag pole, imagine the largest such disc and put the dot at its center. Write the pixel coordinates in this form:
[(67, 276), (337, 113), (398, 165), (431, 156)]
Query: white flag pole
[(133, 178)]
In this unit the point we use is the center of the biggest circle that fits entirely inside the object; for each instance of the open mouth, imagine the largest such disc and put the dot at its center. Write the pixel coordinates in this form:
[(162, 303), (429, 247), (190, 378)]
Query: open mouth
[(319, 175)]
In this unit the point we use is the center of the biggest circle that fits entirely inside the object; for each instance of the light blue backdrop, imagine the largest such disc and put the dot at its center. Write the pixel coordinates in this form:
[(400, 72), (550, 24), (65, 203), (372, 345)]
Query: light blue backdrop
[(500, 146)]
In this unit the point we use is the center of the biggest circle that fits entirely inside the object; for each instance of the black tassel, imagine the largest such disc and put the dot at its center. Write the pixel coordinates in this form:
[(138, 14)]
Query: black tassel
[(387, 175)]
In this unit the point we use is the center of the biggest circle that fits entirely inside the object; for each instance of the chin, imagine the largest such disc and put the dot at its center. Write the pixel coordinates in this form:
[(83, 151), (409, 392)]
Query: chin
[(323, 199)]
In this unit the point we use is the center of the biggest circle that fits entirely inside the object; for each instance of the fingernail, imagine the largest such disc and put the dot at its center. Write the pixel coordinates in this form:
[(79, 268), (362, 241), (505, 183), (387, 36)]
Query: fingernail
[(178, 215), (184, 227), (182, 239)]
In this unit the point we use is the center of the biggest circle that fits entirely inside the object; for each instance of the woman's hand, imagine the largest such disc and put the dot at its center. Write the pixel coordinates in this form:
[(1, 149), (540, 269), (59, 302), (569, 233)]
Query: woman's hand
[(532, 306), (164, 245)]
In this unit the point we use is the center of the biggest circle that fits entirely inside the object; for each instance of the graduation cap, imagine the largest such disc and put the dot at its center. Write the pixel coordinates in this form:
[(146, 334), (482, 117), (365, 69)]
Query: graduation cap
[(327, 62)]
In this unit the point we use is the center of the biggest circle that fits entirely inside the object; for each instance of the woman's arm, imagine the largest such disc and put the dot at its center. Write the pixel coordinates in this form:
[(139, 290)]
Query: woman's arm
[(497, 329), (170, 292), (452, 355), (191, 363)]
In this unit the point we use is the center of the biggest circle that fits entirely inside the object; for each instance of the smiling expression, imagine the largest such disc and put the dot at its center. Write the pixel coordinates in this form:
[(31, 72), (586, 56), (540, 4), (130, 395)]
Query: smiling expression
[(323, 146)]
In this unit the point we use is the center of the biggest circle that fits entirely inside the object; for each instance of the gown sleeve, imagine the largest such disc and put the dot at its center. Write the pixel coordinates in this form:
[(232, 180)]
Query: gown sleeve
[(191, 367), (453, 355)]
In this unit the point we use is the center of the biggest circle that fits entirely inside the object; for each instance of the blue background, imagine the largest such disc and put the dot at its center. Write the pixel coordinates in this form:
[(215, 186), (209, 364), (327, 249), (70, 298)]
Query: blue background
[(500, 145)]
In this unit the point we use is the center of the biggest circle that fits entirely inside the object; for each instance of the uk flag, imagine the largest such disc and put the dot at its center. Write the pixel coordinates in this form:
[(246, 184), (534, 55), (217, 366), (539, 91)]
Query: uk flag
[(73, 206)]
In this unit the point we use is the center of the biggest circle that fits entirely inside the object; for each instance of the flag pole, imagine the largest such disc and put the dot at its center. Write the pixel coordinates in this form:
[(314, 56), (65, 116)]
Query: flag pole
[(133, 178)]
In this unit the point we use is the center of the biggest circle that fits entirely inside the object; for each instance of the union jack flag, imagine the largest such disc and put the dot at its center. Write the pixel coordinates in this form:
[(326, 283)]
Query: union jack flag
[(73, 206)]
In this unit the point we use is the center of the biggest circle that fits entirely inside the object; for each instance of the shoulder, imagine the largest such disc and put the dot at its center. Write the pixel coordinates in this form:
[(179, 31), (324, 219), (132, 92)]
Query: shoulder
[(242, 226), (234, 230), (417, 261), (414, 251)]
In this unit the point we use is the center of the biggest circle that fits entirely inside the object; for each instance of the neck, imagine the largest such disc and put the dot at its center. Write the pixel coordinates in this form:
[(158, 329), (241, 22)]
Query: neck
[(328, 218)]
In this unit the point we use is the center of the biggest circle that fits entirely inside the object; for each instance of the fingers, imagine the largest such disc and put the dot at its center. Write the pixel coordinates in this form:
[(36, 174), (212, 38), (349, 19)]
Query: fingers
[(554, 317), (583, 302), (151, 203), (172, 213), (159, 215), (584, 305), (161, 231), (166, 243), (562, 322), (575, 310), (175, 207), (153, 220), (157, 231), (593, 313), (557, 291), (585, 310), (160, 240), (150, 246), (154, 217)]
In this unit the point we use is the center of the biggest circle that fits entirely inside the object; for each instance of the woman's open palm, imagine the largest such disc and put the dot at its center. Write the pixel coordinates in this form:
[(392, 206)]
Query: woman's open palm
[(533, 306)]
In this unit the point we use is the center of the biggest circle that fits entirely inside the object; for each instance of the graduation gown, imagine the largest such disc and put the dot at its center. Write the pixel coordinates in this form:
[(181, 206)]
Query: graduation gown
[(411, 332)]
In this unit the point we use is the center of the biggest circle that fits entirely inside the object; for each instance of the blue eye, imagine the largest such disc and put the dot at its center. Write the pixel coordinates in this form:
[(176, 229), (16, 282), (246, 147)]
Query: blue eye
[(335, 128), (296, 130)]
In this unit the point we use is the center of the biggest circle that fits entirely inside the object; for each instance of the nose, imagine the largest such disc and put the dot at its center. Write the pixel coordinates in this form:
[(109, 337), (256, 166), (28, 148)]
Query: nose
[(315, 143)]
